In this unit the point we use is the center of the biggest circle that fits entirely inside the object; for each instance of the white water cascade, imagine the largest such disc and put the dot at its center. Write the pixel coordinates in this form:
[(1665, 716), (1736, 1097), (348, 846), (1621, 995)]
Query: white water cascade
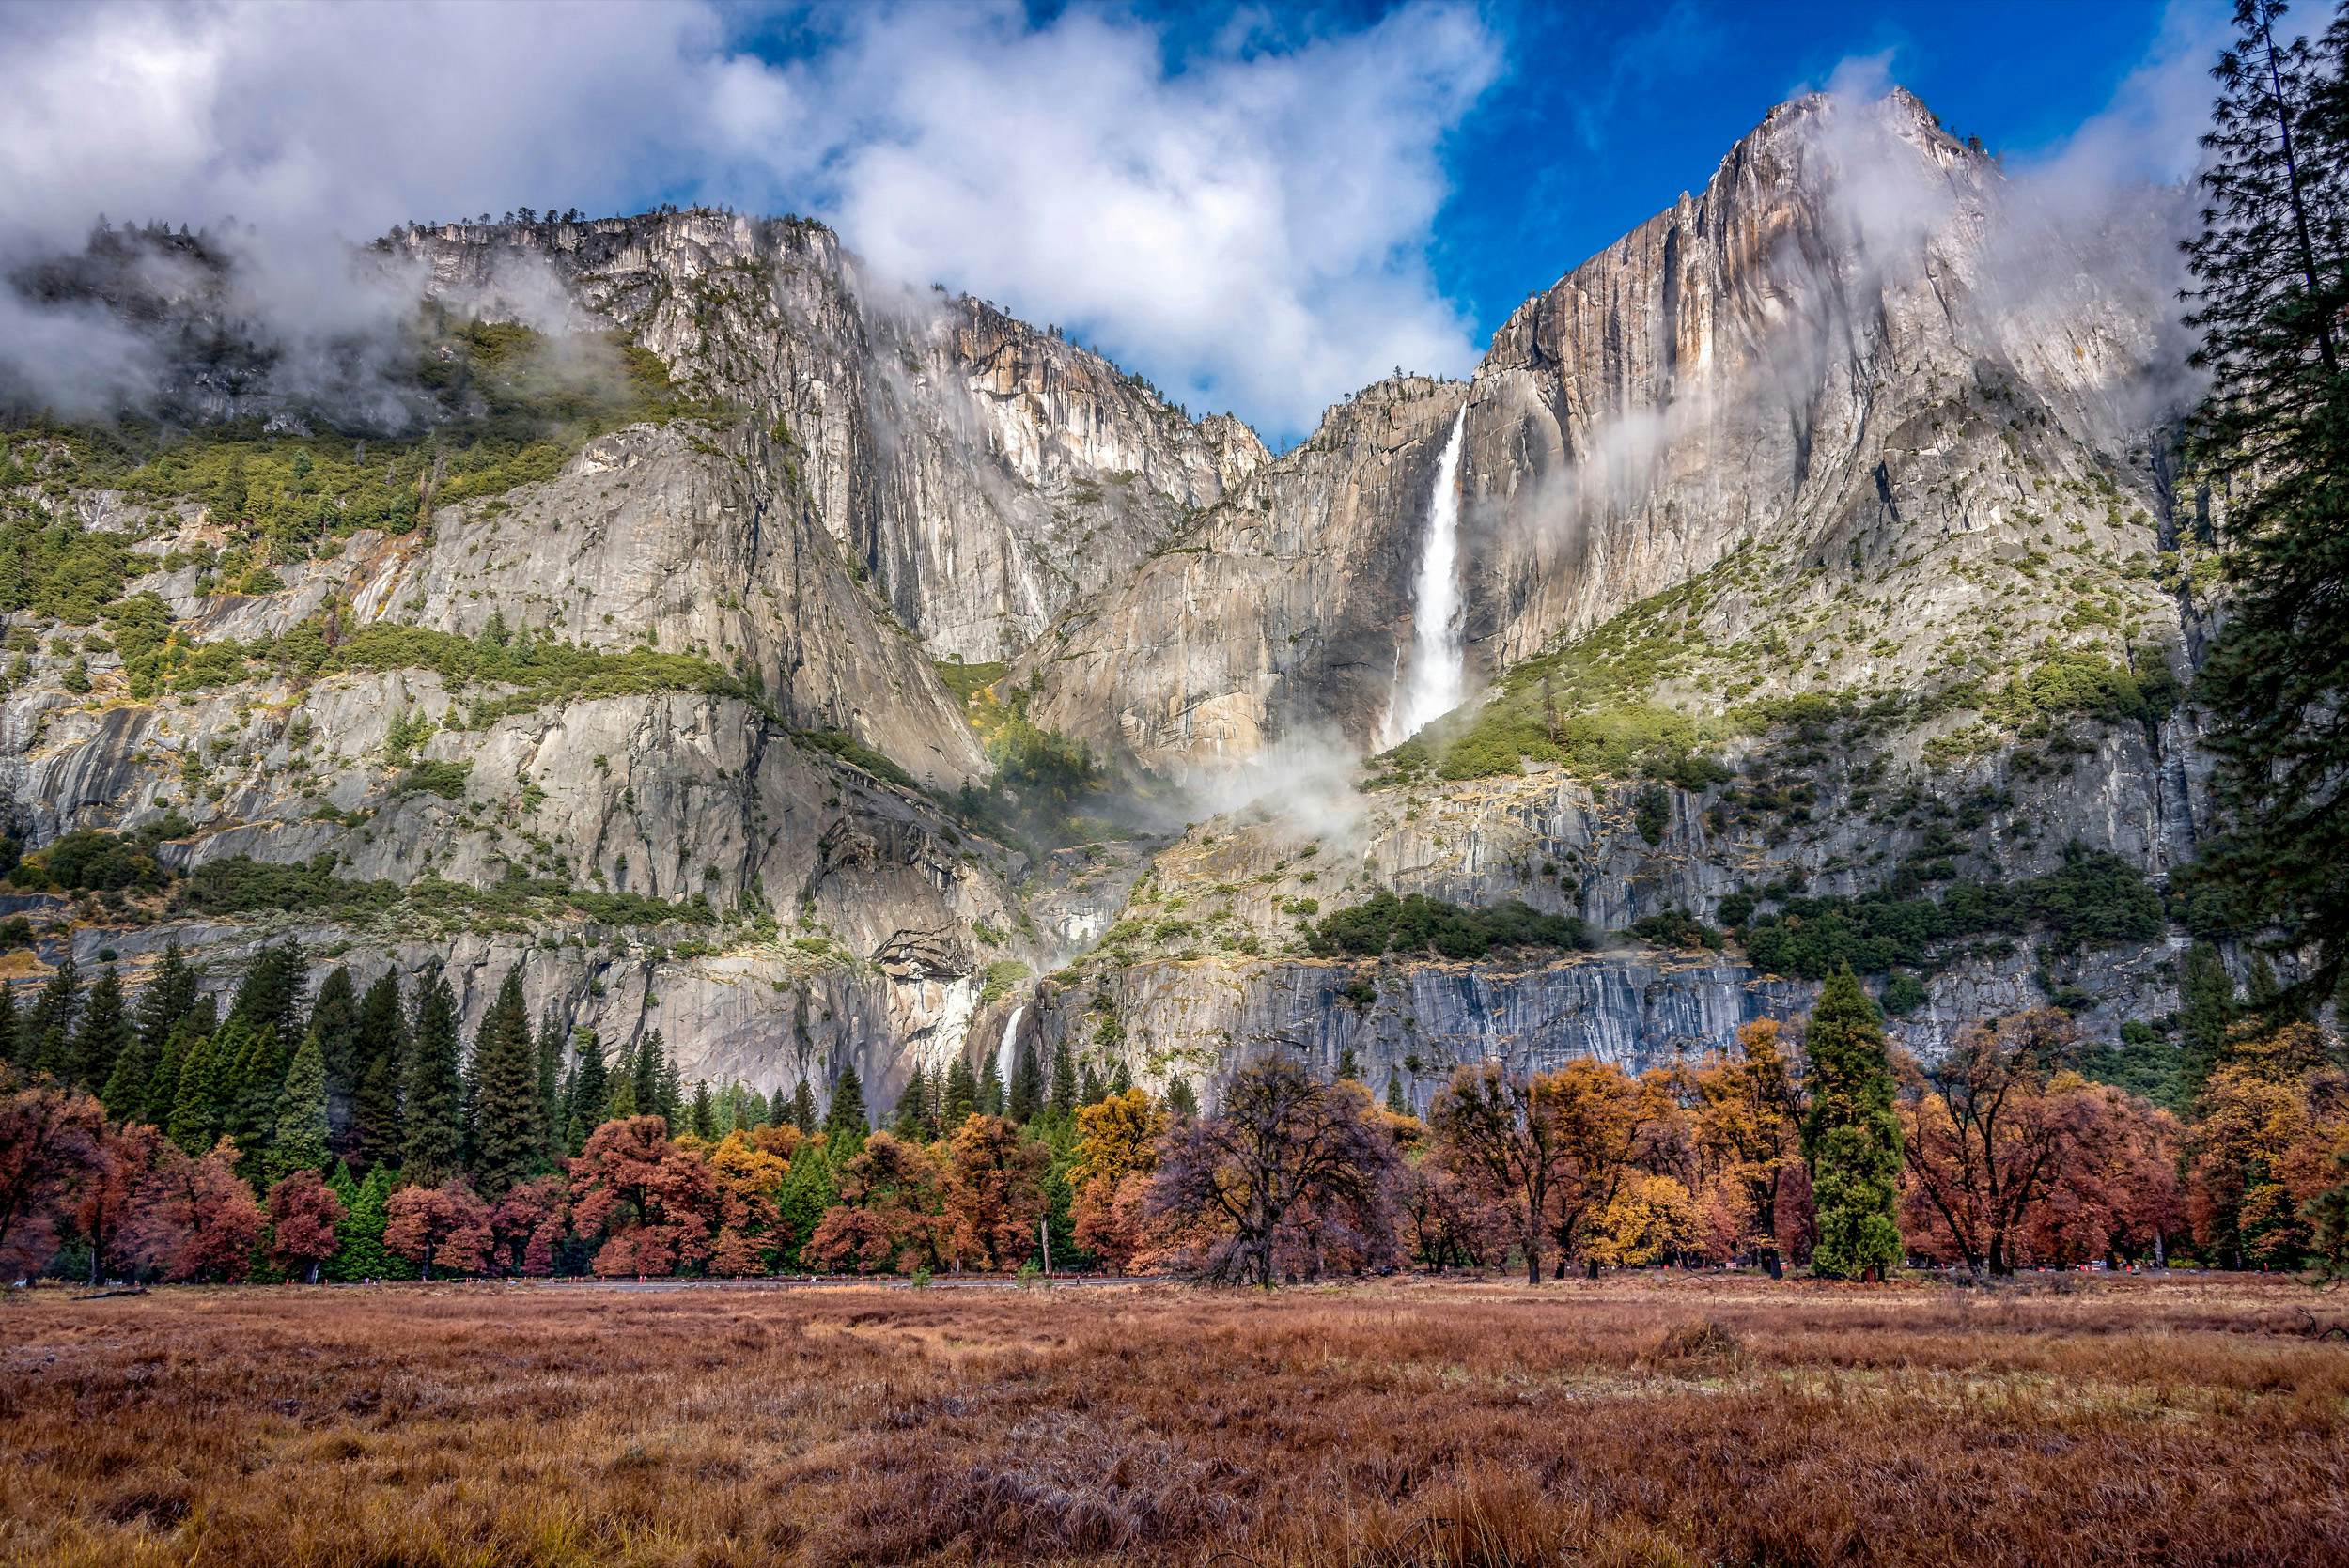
[(1432, 681), (1007, 1049)]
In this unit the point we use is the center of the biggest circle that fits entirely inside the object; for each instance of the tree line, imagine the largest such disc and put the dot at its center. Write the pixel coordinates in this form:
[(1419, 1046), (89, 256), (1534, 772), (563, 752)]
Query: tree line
[(158, 1136)]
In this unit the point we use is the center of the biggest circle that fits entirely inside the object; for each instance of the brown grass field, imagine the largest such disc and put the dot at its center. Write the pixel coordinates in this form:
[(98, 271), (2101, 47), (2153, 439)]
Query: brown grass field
[(1632, 1420)]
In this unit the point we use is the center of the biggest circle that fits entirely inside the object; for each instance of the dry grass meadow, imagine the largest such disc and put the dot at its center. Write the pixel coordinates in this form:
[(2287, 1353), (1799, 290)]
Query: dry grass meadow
[(1633, 1420)]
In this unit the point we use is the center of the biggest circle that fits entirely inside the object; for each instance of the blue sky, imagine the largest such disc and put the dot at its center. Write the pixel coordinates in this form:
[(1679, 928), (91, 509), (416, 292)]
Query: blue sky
[(1608, 113), (1261, 207)]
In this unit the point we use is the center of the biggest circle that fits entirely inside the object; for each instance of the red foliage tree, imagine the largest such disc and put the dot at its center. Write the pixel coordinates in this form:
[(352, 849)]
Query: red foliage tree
[(195, 1219), (52, 1143), (303, 1214), (109, 1196), (447, 1224), (652, 1204), (527, 1225)]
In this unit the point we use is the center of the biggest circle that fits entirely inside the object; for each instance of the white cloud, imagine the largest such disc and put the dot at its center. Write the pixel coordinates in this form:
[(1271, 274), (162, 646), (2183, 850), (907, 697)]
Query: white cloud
[(1248, 225)]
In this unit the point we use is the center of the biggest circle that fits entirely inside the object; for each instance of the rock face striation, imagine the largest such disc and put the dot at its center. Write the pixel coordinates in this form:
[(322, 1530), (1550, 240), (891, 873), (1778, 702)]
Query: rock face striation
[(1831, 464)]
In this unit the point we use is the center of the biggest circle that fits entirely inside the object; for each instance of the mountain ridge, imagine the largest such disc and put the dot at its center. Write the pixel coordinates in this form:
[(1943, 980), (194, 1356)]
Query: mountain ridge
[(1790, 505)]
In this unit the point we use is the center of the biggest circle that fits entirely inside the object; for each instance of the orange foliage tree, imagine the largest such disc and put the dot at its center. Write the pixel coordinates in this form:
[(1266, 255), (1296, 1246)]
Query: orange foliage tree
[(1117, 1149), (748, 1171), (994, 1193), (890, 1213)]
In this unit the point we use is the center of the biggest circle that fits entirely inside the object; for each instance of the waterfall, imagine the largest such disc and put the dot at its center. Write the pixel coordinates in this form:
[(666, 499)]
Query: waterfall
[(1007, 1049), (1433, 682)]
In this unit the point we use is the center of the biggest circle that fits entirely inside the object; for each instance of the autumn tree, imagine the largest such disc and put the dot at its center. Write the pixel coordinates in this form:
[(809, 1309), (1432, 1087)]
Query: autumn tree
[(645, 1204), (302, 1217), (1495, 1129), (1117, 1150), (1648, 1217), (527, 1224), (52, 1142), (1852, 1135), (2267, 1128), (1287, 1171), (890, 1212), (194, 1218), (1990, 1130), (447, 1225), (1596, 1113), (993, 1193), (1747, 1116), (107, 1200), (748, 1171)]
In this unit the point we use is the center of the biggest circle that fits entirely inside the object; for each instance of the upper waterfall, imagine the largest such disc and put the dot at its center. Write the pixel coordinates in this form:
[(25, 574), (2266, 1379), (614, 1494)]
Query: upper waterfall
[(1432, 683)]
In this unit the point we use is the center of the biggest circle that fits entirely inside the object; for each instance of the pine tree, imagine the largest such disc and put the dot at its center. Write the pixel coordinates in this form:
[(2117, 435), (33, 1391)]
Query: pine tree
[(1062, 1105), (361, 1253), (809, 1187), (335, 1019), (962, 1096), (1852, 1135), (380, 1050), (257, 1074), (668, 1088), (1091, 1089), (1025, 1100), (914, 1109), (164, 999), (622, 1101), (270, 995), (2206, 1009), (589, 1090), (298, 1141), (803, 1108), (1348, 1065), (844, 1120), (1179, 1099), (993, 1098), (2271, 299), (163, 1088), (509, 1138), (551, 1119), (703, 1116), (124, 1093), (433, 1105), (1395, 1102), (198, 1090), (104, 1033), (1121, 1077), (650, 1066), (47, 1032)]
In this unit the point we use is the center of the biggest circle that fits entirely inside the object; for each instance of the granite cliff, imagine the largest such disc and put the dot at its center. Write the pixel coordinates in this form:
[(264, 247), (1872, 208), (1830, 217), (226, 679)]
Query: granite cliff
[(1819, 541)]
